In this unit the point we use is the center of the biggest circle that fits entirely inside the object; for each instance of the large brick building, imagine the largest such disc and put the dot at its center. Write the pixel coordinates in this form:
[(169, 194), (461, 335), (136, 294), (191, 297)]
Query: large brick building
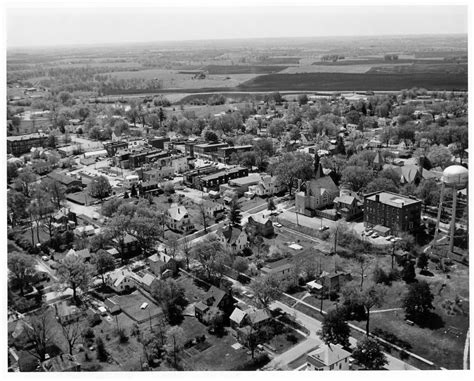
[(391, 210), (20, 144)]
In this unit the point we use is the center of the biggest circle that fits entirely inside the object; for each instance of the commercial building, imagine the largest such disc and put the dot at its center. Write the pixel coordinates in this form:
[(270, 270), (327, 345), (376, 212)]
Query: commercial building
[(207, 150), (390, 210), (213, 181), (224, 153)]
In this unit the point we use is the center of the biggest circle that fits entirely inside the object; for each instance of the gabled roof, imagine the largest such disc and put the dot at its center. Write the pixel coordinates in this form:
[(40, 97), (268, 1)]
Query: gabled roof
[(328, 355), (216, 295), (257, 316), (325, 182), (230, 233), (282, 264), (178, 212), (346, 199), (238, 315)]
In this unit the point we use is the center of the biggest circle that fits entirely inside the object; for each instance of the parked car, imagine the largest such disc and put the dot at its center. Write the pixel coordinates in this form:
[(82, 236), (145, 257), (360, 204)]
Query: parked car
[(277, 224), (375, 235)]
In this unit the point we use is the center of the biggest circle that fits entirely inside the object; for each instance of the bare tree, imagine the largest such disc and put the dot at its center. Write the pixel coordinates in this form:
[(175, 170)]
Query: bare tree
[(363, 263), (203, 215), (71, 332), (185, 246), (40, 333)]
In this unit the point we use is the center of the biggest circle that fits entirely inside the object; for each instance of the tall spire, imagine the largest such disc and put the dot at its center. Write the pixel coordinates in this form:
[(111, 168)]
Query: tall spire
[(318, 168)]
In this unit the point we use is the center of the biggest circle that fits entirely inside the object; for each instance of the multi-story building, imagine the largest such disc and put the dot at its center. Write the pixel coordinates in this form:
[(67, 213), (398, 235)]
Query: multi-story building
[(328, 357), (394, 211), (20, 144), (207, 150), (158, 141), (113, 147), (224, 153), (213, 181)]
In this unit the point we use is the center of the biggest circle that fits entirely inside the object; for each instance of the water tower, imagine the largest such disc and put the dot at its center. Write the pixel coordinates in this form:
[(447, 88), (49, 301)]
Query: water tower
[(454, 179)]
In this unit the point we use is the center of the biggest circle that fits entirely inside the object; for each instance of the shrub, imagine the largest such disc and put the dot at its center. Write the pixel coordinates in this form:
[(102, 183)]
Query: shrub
[(94, 320), (292, 338), (123, 337), (88, 333), (102, 354)]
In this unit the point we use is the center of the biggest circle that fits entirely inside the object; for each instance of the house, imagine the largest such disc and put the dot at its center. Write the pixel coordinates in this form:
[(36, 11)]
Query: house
[(320, 192), (66, 312), (242, 316), (62, 363), (409, 174), (237, 318), (120, 280), (281, 267), (267, 186), (347, 207), (112, 306), (328, 357), (84, 254), (333, 281), (129, 247), (157, 266), (261, 225), (177, 218), (214, 297), (71, 183), (213, 209), (232, 238)]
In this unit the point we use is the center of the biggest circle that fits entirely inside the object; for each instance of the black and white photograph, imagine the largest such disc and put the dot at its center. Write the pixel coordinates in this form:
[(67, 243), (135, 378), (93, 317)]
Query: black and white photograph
[(236, 186)]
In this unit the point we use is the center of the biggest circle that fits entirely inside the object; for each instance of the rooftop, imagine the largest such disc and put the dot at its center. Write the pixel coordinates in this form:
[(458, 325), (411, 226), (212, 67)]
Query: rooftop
[(393, 199)]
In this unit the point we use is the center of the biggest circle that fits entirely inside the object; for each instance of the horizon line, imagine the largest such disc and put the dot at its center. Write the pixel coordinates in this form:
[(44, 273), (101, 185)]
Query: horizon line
[(104, 44)]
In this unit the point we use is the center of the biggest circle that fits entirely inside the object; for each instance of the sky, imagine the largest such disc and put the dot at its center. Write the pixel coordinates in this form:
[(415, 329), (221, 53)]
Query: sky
[(55, 25)]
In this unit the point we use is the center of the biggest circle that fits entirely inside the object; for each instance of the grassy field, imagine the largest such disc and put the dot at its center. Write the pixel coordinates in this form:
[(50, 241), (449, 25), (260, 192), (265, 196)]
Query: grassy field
[(243, 69), (346, 81), (172, 79)]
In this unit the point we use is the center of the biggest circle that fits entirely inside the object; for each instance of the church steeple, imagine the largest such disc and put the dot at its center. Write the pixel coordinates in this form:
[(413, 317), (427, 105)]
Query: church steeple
[(318, 169)]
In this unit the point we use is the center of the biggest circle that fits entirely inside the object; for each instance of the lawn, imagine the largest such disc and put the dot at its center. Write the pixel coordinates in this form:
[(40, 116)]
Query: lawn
[(218, 356)]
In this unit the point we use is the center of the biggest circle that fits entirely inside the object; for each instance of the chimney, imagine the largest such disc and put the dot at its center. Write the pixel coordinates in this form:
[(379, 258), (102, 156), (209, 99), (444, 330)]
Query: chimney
[(299, 185), (377, 198)]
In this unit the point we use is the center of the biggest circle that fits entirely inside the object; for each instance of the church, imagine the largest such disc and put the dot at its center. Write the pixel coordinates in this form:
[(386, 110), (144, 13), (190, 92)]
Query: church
[(317, 193)]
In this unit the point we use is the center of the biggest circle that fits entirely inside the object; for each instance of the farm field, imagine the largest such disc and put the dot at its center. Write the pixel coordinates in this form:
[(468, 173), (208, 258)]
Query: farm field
[(347, 81), (172, 79), (243, 69)]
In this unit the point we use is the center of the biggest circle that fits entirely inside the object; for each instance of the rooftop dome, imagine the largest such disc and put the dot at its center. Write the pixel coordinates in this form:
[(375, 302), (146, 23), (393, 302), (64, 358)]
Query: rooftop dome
[(455, 176)]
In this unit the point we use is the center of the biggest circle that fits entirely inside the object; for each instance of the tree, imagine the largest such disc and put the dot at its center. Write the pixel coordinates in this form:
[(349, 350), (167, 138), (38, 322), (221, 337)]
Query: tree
[(170, 295), (17, 205), (23, 181), (115, 232), (206, 252), (234, 214), (408, 272), (241, 264), (185, 247), (38, 330), (363, 264), (145, 229), (335, 329), (357, 177), (418, 301), (293, 166), (210, 136), (203, 215), (55, 189), (102, 354), (381, 184), (175, 340), (271, 204), (22, 266), (439, 156), (266, 289), (369, 354), (168, 188), (12, 171), (99, 187), (371, 296), (254, 338), (75, 272), (422, 261), (428, 191), (72, 332), (104, 262), (215, 318)]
